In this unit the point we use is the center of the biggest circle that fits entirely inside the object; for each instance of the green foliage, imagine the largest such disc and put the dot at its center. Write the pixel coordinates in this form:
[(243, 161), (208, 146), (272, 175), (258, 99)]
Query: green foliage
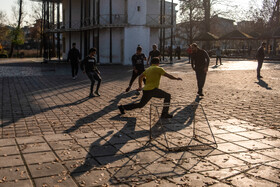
[(17, 36)]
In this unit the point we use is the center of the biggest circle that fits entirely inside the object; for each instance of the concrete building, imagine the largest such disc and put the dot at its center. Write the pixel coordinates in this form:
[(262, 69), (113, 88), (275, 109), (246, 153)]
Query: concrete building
[(114, 27)]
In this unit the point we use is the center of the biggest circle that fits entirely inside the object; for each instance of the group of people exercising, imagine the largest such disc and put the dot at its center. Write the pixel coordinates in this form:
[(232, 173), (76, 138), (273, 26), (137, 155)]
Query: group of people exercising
[(150, 76)]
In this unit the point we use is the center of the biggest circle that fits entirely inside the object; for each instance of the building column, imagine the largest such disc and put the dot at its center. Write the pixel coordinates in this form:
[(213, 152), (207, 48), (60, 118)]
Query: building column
[(58, 33), (111, 37), (171, 55)]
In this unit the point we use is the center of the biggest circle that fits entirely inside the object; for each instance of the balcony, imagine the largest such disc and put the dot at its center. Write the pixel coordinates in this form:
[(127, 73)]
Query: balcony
[(118, 20), (154, 20)]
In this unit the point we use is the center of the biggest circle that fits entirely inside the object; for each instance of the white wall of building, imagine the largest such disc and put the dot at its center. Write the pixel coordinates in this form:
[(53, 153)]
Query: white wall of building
[(135, 36), (136, 17), (125, 40)]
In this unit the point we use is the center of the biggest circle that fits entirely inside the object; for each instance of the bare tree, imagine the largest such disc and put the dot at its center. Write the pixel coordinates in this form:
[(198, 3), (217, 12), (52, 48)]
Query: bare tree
[(16, 33), (37, 29), (191, 12)]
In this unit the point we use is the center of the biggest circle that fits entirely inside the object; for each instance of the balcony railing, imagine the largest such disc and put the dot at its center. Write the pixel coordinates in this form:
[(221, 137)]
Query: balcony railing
[(91, 22), (155, 20)]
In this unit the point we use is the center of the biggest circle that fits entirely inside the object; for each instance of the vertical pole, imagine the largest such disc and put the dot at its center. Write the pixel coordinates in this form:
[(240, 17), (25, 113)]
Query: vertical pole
[(42, 28), (53, 35), (48, 22), (111, 21), (164, 29), (58, 28), (70, 23), (98, 31), (160, 37), (172, 7), (81, 32), (93, 12)]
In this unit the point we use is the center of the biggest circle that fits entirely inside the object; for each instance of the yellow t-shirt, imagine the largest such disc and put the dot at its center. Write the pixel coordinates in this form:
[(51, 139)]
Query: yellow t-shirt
[(153, 74)]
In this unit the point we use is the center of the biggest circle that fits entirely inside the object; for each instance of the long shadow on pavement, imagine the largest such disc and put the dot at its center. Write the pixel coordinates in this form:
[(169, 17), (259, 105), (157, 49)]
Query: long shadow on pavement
[(94, 116), (112, 147), (263, 84)]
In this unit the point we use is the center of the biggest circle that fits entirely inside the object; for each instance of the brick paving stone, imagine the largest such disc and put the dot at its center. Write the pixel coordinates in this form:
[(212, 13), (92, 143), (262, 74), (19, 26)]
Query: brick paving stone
[(243, 180), (21, 183), (41, 157), (10, 161), (93, 178), (46, 169), (13, 173), (9, 150), (55, 180), (34, 147), (7, 142)]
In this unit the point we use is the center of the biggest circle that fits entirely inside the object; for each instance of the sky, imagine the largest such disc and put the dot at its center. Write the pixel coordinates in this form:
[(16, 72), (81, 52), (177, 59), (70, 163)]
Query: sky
[(6, 5)]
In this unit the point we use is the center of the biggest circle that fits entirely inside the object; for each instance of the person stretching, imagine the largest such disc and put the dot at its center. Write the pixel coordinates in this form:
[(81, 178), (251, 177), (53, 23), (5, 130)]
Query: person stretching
[(151, 89)]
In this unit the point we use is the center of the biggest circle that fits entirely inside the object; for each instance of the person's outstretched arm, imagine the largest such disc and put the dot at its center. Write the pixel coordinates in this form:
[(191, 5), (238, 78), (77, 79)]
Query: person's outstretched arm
[(171, 77)]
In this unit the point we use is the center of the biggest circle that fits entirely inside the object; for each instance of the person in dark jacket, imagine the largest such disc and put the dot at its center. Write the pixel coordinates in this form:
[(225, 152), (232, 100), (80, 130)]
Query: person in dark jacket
[(200, 63), (74, 57), (260, 58), (138, 66), (154, 53), (89, 66)]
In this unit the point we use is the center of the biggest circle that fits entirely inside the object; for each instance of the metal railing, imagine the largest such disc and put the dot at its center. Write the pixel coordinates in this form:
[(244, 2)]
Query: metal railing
[(155, 20), (104, 21)]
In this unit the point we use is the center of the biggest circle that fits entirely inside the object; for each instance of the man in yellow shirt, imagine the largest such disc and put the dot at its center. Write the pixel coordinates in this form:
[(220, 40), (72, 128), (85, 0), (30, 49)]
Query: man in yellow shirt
[(151, 88)]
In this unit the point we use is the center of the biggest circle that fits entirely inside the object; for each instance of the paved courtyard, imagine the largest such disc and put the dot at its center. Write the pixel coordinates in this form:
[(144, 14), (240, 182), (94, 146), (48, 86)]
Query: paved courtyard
[(52, 134)]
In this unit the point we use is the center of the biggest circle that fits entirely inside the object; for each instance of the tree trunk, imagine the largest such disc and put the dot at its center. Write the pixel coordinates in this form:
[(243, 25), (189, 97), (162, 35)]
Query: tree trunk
[(191, 26), (18, 27)]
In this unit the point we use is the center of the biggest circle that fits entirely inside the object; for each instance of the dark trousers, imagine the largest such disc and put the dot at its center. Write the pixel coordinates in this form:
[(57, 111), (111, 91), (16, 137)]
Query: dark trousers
[(200, 77), (135, 75), (147, 95), (260, 63), (218, 58), (94, 76), (75, 68)]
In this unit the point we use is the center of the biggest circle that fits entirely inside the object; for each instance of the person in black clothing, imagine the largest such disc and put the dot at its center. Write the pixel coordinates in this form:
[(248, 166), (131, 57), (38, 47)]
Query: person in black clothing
[(154, 53), (260, 58), (200, 62), (138, 66), (74, 57), (178, 52), (89, 66)]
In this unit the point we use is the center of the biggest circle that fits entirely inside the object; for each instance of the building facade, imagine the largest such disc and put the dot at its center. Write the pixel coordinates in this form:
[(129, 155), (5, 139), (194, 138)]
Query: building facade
[(114, 27)]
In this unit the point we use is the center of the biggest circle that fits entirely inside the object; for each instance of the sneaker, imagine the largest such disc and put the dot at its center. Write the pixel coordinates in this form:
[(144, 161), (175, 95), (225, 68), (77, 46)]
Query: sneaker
[(165, 116), (121, 109), (201, 94), (91, 95), (97, 93), (74, 78), (128, 88), (259, 77)]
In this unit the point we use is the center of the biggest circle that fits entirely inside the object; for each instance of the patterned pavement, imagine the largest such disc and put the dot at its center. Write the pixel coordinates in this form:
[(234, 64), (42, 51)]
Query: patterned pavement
[(52, 134)]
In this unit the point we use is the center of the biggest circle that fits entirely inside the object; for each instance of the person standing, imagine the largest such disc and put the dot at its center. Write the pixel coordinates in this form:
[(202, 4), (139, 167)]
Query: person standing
[(260, 57), (138, 66), (178, 52), (154, 53), (218, 56), (74, 56), (89, 66), (189, 51), (200, 63), (151, 89)]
